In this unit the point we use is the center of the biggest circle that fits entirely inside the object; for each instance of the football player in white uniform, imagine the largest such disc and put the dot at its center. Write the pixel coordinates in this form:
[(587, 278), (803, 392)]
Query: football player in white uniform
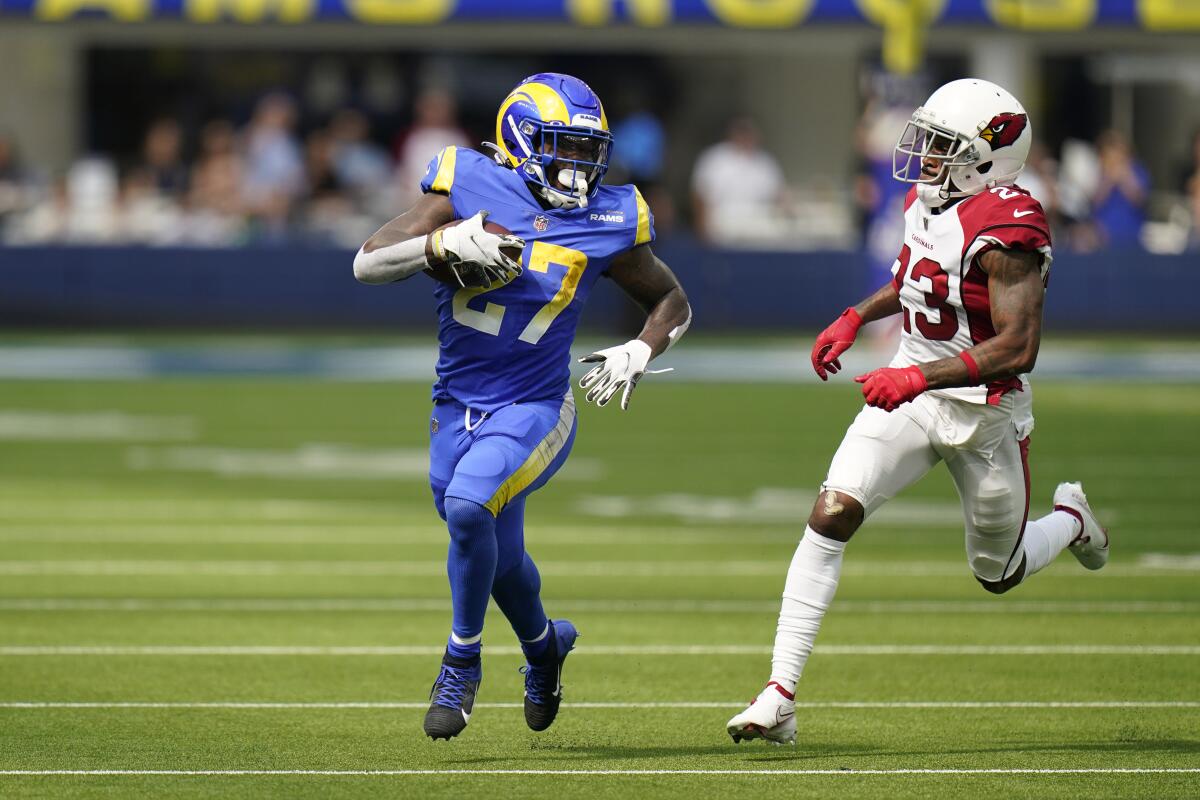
[(969, 283)]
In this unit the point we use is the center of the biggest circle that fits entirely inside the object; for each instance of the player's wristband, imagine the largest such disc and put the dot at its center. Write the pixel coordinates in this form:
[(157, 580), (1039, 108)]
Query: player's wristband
[(439, 249), (972, 367)]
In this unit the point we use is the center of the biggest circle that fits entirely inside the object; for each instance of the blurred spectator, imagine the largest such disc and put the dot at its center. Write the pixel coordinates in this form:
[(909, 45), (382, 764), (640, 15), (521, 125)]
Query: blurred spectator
[(12, 180), (639, 157), (360, 164), (92, 208), (148, 214), (1040, 178), (273, 174), (1078, 179), (327, 201), (1118, 204), (435, 125), (45, 220), (879, 196), (738, 190), (639, 151), (215, 199), (323, 181), (10, 169), (90, 205), (162, 157), (880, 199), (1191, 190)]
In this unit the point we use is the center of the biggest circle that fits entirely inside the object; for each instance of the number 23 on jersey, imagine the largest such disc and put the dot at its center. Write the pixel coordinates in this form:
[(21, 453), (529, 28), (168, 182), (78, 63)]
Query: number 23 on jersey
[(937, 292)]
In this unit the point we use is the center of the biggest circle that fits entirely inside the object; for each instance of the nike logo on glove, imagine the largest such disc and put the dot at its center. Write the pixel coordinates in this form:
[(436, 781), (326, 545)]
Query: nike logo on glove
[(1019, 214)]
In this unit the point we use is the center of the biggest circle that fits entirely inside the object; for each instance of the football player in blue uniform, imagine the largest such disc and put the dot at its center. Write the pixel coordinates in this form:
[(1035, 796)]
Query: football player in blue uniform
[(536, 228)]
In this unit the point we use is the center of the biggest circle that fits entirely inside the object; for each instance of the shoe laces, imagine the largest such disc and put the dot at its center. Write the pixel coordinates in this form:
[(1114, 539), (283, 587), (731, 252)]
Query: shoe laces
[(541, 680), (452, 685)]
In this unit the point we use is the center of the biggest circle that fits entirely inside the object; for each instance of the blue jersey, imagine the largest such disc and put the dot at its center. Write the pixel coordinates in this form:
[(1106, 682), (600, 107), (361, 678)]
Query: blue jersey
[(512, 344)]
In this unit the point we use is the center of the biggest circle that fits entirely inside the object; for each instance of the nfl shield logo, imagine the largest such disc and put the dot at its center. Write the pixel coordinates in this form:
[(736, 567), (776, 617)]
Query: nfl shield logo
[(433, 425), (540, 223)]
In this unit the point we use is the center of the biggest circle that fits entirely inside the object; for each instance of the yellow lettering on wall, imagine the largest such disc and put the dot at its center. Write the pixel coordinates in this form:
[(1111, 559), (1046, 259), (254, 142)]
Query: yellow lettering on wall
[(248, 10), (904, 23), (123, 10), (649, 13), (1043, 15), (760, 13), (1169, 15), (401, 12)]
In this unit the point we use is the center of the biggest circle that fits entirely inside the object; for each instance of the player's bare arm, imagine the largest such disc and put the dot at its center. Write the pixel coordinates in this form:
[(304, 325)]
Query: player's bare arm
[(645, 278), (1016, 292), (415, 242), (838, 337), (1016, 296), (652, 285), (881, 305), (429, 213)]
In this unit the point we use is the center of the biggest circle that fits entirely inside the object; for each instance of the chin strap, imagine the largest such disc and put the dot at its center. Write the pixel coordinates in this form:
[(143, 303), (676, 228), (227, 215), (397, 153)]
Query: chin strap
[(933, 195), (498, 155)]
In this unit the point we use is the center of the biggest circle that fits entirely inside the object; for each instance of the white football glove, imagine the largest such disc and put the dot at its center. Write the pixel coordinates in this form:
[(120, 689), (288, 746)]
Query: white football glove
[(474, 255), (620, 366)]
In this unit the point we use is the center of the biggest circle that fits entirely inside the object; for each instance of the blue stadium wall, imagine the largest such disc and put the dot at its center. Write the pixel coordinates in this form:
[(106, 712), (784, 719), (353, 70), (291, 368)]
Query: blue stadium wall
[(314, 288)]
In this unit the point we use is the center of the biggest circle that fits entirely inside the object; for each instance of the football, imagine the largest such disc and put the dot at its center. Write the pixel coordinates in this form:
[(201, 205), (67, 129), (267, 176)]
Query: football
[(443, 272)]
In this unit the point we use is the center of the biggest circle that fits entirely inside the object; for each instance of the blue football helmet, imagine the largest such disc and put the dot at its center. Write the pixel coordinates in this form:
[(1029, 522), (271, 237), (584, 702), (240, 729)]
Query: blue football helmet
[(552, 129)]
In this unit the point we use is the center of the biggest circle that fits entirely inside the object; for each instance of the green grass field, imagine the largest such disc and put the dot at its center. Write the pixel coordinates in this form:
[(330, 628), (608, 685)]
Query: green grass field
[(246, 576)]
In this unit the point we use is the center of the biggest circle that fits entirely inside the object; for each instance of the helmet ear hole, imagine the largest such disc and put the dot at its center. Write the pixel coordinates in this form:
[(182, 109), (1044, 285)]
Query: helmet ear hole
[(984, 169)]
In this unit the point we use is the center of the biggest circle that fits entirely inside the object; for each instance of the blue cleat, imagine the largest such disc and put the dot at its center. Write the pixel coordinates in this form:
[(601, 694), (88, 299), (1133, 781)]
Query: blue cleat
[(452, 697), (543, 678)]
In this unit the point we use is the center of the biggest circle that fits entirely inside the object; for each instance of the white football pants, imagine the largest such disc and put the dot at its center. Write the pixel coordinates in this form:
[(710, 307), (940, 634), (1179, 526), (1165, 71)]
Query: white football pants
[(985, 447)]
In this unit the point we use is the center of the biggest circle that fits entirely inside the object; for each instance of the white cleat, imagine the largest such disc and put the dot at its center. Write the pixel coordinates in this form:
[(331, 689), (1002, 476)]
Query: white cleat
[(1091, 545), (770, 716)]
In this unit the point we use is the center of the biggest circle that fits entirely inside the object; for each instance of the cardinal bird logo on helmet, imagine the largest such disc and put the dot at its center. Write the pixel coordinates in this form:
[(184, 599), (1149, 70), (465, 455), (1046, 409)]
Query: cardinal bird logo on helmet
[(1004, 129)]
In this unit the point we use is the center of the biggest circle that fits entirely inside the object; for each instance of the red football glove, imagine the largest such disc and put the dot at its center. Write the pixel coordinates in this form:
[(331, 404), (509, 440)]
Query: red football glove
[(833, 341), (889, 388)]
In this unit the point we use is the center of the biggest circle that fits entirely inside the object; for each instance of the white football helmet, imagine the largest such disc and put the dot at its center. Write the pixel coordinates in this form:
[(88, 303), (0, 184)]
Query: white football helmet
[(978, 132)]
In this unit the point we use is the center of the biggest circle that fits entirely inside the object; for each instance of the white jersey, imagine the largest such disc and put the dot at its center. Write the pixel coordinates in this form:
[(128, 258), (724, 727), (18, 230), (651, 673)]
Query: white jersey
[(944, 293)]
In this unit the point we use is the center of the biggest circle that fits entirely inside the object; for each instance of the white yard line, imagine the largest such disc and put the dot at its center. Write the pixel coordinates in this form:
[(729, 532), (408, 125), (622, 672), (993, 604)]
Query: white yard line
[(611, 772), (91, 426), (432, 604), (22, 506), (734, 704), (601, 650), (218, 533), (574, 569)]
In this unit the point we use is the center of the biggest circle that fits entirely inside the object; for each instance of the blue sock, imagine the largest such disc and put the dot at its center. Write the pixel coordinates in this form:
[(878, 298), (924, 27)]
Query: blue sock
[(534, 650), (471, 567), (467, 652), (518, 594)]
